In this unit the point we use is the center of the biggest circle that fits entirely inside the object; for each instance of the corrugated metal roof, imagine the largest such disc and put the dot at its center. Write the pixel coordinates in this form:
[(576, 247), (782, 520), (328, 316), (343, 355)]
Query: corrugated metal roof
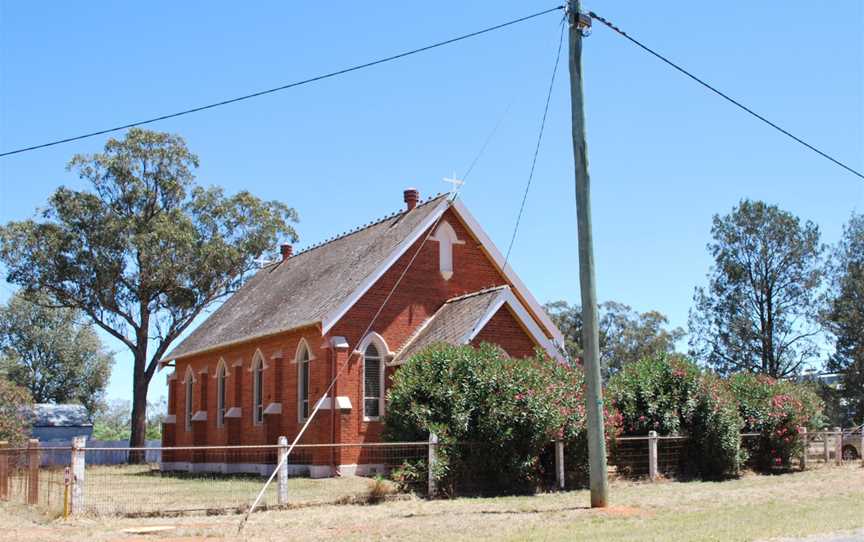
[(303, 289), (48, 415)]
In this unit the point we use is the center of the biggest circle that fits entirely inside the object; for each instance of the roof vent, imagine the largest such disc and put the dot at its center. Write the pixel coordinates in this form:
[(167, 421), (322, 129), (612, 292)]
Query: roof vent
[(412, 196)]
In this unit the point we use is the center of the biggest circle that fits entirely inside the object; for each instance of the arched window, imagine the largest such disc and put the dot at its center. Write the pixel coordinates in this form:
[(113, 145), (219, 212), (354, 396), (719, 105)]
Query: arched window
[(258, 389), (221, 374), (303, 359), (190, 381), (373, 377), (446, 237)]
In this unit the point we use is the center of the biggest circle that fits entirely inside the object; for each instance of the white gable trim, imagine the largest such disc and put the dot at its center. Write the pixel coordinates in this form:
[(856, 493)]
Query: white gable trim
[(507, 298), (535, 308), (330, 319)]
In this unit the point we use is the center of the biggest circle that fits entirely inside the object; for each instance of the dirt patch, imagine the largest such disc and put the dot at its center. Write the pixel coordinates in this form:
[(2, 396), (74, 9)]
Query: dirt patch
[(175, 539), (623, 512)]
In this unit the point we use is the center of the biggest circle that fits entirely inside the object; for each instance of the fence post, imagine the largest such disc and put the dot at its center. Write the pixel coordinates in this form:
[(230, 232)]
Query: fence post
[(652, 455), (4, 471), (33, 471), (861, 447), (433, 460), (838, 446), (559, 463), (826, 450), (805, 448), (78, 463), (282, 459)]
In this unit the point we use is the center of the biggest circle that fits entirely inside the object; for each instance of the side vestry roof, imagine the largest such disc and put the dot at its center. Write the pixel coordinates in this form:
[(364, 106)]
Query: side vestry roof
[(460, 319)]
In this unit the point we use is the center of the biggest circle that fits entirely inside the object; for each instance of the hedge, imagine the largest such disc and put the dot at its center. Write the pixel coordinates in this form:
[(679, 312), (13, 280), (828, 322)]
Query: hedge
[(779, 410), (495, 416), (673, 396)]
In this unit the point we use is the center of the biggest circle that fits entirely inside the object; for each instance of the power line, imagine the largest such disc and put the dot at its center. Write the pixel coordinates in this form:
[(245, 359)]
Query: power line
[(724, 95), (285, 86), (536, 148)]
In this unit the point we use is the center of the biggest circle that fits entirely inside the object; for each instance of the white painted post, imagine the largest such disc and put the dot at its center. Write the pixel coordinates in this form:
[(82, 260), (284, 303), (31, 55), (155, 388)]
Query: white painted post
[(433, 459), (78, 463), (826, 450), (803, 436), (652, 455), (559, 463), (838, 445), (282, 464)]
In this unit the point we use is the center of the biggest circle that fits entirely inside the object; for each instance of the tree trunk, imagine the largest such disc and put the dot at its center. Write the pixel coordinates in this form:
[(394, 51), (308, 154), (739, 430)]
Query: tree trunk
[(140, 385)]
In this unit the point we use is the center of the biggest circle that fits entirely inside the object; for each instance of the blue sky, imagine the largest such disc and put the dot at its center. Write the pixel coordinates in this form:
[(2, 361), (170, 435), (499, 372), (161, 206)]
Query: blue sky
[(664, 153)]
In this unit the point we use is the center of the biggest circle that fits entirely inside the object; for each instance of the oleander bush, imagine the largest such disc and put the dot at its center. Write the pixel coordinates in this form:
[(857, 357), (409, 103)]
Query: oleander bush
[(779, 410), (495, 417), (673, 396)]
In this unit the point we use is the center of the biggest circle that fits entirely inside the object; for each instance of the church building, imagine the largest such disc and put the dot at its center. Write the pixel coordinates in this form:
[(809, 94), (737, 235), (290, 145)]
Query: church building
[(255, 368)]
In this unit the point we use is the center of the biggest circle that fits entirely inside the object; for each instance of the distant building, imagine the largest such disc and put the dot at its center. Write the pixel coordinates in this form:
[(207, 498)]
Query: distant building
[(833, 380), (60, 422)]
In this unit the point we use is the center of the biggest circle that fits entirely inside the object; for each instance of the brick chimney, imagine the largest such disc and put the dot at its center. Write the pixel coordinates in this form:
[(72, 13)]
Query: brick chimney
[(412, 196), (287, 251)]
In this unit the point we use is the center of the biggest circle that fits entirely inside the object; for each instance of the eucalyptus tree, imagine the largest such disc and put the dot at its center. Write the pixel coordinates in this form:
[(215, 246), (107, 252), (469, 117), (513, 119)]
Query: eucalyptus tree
[(145, 250), (54, 353)]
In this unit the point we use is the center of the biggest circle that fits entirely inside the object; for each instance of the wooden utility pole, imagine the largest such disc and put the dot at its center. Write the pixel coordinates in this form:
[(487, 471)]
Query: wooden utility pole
[(590, 334)]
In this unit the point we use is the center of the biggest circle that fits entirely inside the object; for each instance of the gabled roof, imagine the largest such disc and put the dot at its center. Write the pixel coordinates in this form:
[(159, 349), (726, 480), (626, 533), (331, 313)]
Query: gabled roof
[(319, 285), (460, 319), (305, 288), (48, 415)]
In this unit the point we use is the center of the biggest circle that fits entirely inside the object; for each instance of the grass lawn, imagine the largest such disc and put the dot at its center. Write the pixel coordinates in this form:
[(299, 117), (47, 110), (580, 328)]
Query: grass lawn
[(753, 507)]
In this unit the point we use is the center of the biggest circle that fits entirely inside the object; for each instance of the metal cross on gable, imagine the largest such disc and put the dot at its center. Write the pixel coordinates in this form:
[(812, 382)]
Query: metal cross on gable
[(455, 182)]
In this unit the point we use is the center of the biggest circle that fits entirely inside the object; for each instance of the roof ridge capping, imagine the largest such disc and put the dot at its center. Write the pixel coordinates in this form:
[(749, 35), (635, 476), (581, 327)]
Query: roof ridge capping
[(479, 292), (362, 227)]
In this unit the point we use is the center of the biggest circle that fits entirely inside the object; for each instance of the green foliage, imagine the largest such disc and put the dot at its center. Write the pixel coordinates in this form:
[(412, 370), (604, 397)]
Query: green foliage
[(844, 319), (493, 415), (52, 352), (145, 250), (113, 420), (759, 310), (778, 410), (15, 413), (626, 336), (671, 395)]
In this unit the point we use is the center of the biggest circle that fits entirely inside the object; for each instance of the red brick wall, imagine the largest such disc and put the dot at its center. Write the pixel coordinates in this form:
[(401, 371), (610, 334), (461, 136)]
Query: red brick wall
[(280, 385), (505, 330)]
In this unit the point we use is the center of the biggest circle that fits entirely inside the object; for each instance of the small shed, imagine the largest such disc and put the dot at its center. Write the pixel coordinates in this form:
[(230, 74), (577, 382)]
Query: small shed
[(60, 422)]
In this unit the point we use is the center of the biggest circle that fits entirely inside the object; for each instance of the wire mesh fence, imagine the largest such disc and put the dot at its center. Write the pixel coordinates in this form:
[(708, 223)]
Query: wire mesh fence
[(216, 479), (24, 480), (228, 479)]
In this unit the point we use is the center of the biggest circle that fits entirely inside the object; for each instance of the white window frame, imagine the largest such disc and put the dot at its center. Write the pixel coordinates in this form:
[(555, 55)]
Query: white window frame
[(303, 348), (257, 370), (221, 391), (383, 355), (189, 381)]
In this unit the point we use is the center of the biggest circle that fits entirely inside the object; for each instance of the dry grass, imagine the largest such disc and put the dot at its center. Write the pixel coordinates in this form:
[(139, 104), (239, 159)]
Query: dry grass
[(140, 490), (751, 508)]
